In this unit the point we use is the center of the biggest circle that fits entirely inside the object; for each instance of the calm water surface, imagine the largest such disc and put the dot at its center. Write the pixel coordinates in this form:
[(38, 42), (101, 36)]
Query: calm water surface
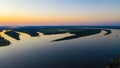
[(94, 51)]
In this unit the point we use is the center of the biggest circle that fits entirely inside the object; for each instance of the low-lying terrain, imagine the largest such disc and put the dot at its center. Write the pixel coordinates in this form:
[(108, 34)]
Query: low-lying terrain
[(49, 30), (4, 42)]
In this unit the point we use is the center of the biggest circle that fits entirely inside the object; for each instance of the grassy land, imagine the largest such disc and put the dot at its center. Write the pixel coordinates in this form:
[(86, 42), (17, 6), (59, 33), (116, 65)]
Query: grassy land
[(13, 34), (80, 33), (47, 30), (33, 31), (4, 42)]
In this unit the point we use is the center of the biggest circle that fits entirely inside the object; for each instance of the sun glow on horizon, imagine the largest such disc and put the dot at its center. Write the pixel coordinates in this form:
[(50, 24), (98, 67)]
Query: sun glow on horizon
[(59, 12)]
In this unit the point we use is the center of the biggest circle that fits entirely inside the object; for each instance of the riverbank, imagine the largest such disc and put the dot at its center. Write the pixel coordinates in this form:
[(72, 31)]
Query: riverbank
[(115, 63), (4, 42)]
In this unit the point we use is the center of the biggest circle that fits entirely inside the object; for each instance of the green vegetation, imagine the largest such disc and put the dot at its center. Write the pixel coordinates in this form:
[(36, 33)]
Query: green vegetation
[(80, 33), (47, 30), (13, 34), (4, 42), (108, 32), (33, 31), (115, 63)]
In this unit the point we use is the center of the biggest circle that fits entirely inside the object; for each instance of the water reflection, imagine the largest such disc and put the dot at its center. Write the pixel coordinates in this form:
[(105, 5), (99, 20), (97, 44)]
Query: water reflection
[(93, 51), (77, 33)]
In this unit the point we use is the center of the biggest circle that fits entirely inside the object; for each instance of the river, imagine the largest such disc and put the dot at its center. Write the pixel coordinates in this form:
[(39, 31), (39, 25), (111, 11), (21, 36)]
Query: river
[(95, 51)]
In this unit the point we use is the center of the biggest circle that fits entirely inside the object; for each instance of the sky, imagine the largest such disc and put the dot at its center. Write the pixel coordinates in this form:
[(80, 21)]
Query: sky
[(59, 12)]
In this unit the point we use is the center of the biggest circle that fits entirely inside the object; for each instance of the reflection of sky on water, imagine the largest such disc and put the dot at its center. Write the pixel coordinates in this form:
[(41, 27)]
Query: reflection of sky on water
[(87, 52)]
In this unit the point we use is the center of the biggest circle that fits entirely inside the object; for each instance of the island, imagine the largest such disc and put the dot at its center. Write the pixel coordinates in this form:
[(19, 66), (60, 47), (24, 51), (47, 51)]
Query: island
[(13, 34), (4, 42), (33, 31), (49, 30)]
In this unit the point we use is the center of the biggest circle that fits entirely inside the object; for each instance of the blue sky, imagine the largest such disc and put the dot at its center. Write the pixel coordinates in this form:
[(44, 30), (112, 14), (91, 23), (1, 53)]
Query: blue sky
[(79, 11)]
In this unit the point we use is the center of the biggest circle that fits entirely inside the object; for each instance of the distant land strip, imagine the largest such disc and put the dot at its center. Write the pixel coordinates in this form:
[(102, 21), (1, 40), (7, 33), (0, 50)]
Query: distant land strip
[(33, 31)]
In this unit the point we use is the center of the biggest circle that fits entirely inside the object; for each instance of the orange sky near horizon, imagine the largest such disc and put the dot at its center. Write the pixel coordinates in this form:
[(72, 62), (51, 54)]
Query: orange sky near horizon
[(48, 20), (59, 12)]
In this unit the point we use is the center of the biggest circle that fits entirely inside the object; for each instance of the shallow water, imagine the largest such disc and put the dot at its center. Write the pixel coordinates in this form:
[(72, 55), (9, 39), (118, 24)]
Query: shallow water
[(94, 51)]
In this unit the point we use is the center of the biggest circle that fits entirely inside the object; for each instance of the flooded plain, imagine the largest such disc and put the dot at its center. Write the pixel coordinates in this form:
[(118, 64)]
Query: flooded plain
[(95, 51)]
